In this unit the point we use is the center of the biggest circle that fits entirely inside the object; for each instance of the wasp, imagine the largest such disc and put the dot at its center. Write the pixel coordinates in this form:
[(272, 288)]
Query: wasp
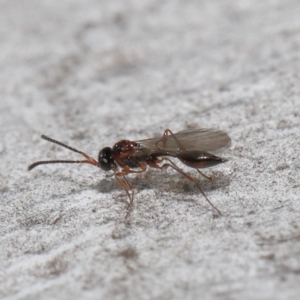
[(195, 148)]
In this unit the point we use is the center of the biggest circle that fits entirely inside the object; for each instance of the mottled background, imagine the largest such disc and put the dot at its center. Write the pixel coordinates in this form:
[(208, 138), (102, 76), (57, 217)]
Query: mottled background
[(90, 73)]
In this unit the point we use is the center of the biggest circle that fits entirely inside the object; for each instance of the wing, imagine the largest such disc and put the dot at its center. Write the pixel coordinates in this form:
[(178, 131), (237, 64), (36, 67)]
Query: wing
[(202, 139)]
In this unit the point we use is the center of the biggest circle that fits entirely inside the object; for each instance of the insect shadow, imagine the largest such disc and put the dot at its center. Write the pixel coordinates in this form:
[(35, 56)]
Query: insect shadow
[(172, 183)]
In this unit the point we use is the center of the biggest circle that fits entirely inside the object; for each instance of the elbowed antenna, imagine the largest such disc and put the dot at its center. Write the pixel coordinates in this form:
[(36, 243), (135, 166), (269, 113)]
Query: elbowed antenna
[(88, 159)]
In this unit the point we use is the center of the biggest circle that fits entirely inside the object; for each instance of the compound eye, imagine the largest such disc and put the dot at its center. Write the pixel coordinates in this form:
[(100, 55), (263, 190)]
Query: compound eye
[(105, 159)]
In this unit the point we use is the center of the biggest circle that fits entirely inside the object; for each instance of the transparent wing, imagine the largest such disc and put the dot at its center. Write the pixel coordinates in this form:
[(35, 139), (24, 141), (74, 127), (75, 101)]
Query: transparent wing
[(202, 139)]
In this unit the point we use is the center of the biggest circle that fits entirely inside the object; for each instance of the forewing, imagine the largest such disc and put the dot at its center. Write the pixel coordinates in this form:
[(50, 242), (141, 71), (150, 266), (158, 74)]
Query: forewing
[(202, 139)]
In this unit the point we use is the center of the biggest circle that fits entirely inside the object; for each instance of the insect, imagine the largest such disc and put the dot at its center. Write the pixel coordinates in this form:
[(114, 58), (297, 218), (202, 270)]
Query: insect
[(193, 147)]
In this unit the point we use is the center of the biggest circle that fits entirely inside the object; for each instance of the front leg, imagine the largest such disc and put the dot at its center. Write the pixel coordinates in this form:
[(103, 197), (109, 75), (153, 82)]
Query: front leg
[(126, 185)]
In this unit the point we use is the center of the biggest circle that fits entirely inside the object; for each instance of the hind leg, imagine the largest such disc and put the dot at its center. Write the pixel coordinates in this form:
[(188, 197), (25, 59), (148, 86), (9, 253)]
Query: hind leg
[(169, 163)]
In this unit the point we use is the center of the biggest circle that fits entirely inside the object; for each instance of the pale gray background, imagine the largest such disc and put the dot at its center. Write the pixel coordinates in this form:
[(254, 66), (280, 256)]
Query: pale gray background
[(90, 73)]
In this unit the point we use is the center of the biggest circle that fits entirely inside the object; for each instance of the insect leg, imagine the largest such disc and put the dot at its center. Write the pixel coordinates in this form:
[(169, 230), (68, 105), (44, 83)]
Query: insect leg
[(196, 169), (154, 164), (164, 139), (205, 176), (182, 150), (126, 185)]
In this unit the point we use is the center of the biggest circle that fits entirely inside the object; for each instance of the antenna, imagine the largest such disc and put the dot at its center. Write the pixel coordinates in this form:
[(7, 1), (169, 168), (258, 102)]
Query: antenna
[(88, 159)]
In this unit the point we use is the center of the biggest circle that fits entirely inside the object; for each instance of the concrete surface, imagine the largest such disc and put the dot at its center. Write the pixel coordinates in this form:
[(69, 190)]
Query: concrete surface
[(90, 73)]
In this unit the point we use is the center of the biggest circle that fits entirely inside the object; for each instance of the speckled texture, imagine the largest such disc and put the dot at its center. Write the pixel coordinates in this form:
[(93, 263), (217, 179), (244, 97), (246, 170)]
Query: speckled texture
[(90, 73)]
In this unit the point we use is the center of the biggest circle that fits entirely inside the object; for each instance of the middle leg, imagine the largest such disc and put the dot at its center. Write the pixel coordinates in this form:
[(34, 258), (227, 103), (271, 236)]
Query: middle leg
[(167, 133)]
